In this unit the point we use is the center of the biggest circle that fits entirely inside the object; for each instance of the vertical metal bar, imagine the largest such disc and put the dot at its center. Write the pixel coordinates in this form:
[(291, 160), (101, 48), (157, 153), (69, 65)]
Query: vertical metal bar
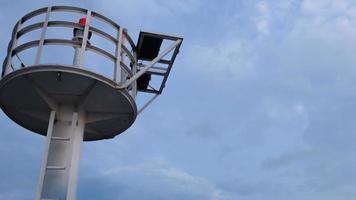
[(134, 84), (175, 53), (73, 159), (71, 135), (123, 40), (123, 72), (84, 41), (76, 56), (45, 154), (117, 71), (43, 35), (13, 45)]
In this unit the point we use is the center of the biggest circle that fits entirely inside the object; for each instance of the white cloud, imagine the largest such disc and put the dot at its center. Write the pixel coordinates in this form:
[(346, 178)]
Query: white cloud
[(327, 19), (158, 171), (176, 6), (316, 7), (229, 58), (270, 17), (263, 18), (141, 9), (235, 52)]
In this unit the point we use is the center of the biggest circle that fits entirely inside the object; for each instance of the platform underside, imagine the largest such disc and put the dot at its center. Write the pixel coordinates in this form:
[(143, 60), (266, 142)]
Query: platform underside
[(26, 96)]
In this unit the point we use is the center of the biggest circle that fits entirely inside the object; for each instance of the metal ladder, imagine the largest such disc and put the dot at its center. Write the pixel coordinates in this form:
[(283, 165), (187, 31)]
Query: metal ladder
[(60, 159)]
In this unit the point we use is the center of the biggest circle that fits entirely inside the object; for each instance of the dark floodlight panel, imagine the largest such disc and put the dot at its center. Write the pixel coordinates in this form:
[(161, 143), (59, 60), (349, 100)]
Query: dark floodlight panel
[(148, 46)]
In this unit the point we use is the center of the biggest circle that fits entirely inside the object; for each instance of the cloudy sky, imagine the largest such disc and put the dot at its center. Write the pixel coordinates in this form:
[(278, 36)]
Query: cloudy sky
[(261, 104)]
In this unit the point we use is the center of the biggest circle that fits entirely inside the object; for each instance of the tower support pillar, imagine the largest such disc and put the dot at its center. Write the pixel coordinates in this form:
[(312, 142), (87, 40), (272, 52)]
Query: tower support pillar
[(59, 169)]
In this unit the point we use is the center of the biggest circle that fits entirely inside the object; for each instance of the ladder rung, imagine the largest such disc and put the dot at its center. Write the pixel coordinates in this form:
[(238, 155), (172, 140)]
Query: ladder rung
[(55, 168), (61, 138)]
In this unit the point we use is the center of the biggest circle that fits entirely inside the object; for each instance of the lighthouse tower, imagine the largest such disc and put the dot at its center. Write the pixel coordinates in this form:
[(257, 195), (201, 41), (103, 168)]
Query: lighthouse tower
[(76, 102)]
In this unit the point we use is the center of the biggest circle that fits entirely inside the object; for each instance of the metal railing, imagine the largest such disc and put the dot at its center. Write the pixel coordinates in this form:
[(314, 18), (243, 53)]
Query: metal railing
[(121, 69)]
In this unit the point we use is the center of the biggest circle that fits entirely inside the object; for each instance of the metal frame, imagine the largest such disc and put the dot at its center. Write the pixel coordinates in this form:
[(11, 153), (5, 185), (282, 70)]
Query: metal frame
[(154, 61), (155, 70), (60, 163), (124, 77), (19, 32)]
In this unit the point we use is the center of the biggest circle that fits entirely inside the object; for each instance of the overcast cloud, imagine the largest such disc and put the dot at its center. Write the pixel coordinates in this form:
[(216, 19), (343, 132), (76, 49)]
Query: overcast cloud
[(260, 105)]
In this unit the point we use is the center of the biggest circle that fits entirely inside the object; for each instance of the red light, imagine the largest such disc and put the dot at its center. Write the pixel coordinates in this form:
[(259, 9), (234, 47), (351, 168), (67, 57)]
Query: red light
[(82, 21)]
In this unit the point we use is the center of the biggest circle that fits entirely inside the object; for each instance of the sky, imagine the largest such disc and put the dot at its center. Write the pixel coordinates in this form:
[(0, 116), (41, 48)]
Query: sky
[(260, 104)]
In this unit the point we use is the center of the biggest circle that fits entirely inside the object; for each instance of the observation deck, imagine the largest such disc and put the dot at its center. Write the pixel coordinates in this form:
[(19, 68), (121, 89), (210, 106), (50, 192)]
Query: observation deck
[(100, 73)]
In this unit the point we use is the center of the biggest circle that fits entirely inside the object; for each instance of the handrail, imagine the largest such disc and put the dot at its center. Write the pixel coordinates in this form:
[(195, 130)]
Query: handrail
[(131, 57), (105, 19), (68, 8), (33, 14), (72, 43), (103, 34), (43, 10), (65, 24), (127, 48)]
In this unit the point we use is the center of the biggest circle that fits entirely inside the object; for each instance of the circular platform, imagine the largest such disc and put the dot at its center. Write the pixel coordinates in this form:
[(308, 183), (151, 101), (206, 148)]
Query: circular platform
[(27, 96)]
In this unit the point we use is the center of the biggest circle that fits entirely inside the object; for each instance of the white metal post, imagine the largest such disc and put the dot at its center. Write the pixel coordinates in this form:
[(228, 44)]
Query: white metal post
[(43, 35), (76, 56), (117, 72), (122, 55), (13, 45), (134, 71), (76, 140), (82, 50)]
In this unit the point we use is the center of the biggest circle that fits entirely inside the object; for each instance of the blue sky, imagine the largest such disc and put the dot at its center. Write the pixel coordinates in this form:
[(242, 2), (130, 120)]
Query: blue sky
[(260, 105)]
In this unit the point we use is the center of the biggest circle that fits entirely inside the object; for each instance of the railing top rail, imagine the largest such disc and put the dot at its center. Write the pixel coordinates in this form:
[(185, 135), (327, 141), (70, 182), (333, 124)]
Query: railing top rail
[(43, 10), (21, 30), (18, 32)]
